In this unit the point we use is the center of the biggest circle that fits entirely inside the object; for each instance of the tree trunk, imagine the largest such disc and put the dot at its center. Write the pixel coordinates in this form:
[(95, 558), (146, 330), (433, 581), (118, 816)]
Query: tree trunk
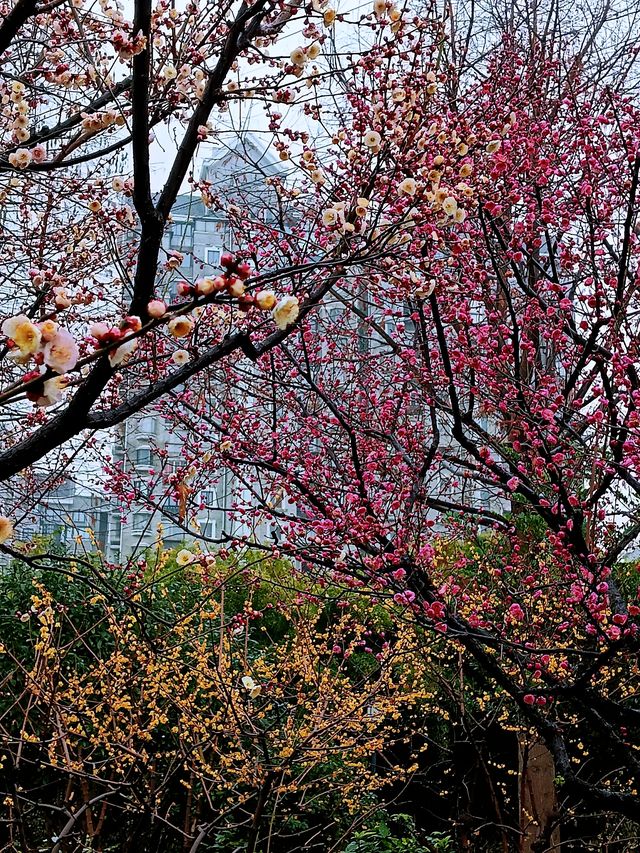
[(538, 806)]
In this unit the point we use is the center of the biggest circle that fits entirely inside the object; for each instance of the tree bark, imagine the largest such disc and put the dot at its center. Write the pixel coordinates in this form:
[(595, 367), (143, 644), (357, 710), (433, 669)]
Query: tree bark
[(538, 805)]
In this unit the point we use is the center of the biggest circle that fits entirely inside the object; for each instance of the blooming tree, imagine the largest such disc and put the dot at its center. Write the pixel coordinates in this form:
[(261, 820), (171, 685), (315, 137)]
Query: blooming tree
[(474, 381), (431, 354), (85, 90)]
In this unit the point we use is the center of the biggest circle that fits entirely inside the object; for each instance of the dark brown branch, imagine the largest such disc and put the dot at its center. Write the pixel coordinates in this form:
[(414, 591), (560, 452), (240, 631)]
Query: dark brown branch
[(16, 18)]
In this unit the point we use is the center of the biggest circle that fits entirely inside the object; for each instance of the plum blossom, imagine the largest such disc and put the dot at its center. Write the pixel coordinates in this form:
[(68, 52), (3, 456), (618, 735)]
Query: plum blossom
[(405, 598), (372, 139), (407, 187), (516, 612), (298, 57), (24, 334), (120, 354), (266, 300), (52, 390), (20, 159), (38, 154), (62, 298), (156, 308), (48, 330), (286, 311), (205, 286), (249, 684), (184, 557), (236, 288), (180, 357), (330, 216), (98, 330), (180, 327), (61, 352), (450, 205)]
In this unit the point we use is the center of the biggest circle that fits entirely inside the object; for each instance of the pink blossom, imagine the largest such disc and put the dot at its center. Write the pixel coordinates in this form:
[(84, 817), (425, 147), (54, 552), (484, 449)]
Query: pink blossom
[(61, 352)]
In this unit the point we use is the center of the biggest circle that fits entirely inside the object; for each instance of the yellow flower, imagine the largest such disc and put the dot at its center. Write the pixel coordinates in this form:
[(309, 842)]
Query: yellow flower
[(266, 300), (180, 327), (286, 312), (25, 334)]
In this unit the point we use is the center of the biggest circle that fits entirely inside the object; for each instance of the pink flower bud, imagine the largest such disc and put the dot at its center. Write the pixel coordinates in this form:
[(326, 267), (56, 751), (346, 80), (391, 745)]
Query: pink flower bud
[(243, 270), (156, 308)]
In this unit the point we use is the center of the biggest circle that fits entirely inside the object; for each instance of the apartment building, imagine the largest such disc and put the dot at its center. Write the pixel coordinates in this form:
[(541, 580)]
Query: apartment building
[(199, 232)]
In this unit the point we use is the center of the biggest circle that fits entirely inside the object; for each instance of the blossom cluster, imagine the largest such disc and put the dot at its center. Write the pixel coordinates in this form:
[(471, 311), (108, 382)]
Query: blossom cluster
[(53, 349)]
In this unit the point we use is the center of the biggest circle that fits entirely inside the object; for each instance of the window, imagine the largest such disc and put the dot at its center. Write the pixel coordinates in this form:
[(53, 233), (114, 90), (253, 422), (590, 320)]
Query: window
[(212, 257), (209, 497), (141, 521), (143, 457), (147, 424), (181, 234)]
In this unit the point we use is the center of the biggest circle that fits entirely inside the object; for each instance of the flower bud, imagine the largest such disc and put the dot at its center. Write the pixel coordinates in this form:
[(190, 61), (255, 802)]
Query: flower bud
[(156, 308)]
